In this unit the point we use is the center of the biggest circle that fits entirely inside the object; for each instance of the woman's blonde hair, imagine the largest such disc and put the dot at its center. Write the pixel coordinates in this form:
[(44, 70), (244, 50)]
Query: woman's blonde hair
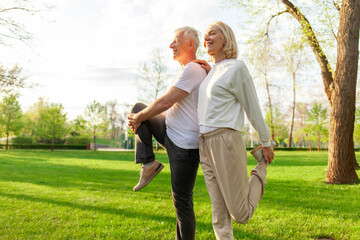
[(230, 47)]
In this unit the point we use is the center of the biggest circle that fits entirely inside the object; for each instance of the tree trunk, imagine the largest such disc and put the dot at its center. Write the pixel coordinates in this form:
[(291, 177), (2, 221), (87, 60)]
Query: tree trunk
[(7, 140), (293, 113), (94, 142), (310, 145), (341, 164), (318, 142), (52, 144), (270, 109), (339, 89), (120, 137)]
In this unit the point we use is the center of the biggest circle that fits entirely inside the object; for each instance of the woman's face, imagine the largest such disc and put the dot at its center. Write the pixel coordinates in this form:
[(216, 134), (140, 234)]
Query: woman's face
[(214, 41)]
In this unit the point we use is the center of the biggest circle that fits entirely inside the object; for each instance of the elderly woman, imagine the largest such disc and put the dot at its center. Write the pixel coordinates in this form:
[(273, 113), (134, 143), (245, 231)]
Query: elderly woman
[(225, 94)]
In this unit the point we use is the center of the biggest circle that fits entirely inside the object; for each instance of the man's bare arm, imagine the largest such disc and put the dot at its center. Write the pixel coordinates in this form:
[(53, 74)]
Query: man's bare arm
[(158, 106)]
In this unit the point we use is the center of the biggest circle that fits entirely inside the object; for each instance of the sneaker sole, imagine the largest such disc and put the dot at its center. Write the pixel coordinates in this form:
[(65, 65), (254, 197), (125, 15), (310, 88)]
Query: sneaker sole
[(161, 166)]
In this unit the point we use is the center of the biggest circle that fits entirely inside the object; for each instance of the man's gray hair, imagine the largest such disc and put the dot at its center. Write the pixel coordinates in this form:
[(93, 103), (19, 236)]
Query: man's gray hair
[(190, 33)]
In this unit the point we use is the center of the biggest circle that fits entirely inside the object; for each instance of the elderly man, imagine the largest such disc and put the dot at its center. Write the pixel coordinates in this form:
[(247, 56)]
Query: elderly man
[(178, 131)]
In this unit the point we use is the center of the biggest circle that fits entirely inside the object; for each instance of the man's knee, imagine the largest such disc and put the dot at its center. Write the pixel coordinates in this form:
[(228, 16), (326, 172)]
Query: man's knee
[(138, 107), (182, 202)]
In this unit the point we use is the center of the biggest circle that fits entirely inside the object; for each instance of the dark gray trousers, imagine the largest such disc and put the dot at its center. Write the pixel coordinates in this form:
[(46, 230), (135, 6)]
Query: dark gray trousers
[(184, 164)]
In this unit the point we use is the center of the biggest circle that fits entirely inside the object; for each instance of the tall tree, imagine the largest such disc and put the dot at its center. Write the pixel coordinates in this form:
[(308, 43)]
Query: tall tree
[(32, 115), (10, 117), (153, 75), (280, 129), (79, 132), (78, 126), (95, 116), (51, 124), (292, 58), (262, 58), (299, 135), (339, 87), (113, 116), (316, 124), (124, 112)]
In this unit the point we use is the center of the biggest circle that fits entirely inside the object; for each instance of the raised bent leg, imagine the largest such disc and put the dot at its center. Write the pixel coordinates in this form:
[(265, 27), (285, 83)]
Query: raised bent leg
[(156, 127), (144, 152)]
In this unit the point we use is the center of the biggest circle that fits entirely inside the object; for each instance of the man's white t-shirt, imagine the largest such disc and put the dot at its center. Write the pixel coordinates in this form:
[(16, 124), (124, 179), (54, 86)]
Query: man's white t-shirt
[(182, 125)]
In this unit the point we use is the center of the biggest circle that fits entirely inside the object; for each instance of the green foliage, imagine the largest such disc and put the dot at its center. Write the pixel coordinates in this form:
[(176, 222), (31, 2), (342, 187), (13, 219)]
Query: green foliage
[(95, 116), (10, 116), (130, 133), (78, 140), (23, 140), (51, 123), (357, 126), (88, 195), (32, 115), (299, 136), (78, 127), (280, 128), (316, 126)]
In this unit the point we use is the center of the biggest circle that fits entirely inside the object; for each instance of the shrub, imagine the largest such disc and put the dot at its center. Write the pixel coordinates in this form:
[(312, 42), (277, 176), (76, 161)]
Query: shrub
[(78, 140), (45, 146), (22, 140)]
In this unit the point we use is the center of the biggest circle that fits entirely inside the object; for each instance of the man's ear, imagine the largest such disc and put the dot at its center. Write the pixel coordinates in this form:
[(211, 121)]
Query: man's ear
[(191, 44)]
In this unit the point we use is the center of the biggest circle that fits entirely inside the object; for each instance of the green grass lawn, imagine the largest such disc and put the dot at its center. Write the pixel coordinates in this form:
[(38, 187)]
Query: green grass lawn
[(88, 195)]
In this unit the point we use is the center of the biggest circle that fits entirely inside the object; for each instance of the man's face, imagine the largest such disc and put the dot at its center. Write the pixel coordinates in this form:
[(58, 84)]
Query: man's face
[(180, 46)]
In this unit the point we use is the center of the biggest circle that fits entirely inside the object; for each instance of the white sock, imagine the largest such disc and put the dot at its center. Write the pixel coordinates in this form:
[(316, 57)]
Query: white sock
[(148, 164)]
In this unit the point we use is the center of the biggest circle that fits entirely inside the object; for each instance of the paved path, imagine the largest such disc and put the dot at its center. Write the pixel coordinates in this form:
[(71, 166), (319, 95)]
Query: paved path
[(114, 150)]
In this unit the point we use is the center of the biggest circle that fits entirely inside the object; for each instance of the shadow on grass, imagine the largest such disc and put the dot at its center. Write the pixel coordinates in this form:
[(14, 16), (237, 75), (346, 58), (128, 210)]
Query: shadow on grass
[(43, 155), (289, 160), (284, 195), (319, 198), (145, 216), (281, 158), (288, 194), (81, 177), (78, 177)]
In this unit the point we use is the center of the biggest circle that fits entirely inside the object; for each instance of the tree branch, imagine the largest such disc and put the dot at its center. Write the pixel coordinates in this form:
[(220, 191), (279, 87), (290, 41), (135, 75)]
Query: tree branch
[(326, 71), (336, 5), (15, 8), (271, 18)]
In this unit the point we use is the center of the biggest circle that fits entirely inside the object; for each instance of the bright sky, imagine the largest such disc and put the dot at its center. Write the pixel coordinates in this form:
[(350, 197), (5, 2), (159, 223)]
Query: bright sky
[(85, 50)]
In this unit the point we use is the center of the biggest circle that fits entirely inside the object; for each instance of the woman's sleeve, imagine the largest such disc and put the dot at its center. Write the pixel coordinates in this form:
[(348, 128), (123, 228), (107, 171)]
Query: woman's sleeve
[(243, 88)]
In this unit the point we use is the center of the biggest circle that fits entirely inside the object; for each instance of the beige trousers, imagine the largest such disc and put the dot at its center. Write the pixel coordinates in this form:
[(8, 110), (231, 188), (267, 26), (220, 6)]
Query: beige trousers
[(233, 196)]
